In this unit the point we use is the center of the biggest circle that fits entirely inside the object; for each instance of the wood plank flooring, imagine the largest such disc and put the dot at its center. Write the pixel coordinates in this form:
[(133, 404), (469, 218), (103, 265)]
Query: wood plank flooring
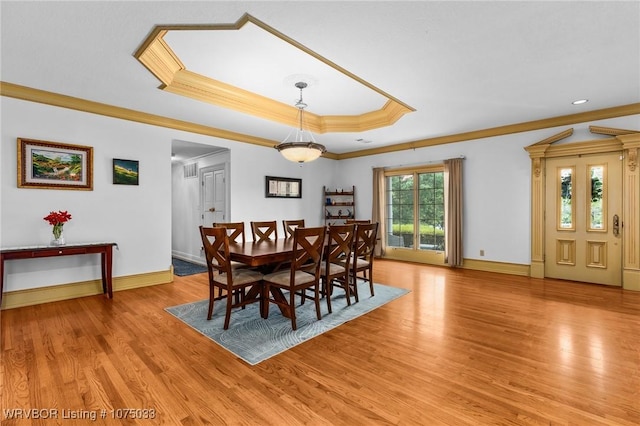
[(464, 347)]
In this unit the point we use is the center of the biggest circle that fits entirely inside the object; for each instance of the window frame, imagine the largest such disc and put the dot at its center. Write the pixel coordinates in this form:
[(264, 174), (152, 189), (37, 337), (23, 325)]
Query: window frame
[(412, 254)]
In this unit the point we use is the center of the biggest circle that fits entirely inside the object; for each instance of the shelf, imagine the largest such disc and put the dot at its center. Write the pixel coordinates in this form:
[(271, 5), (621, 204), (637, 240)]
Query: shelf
[(341, 205), (349, 194)]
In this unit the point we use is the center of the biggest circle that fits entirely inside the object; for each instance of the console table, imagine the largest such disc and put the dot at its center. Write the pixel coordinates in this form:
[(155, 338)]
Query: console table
[(32, 252)]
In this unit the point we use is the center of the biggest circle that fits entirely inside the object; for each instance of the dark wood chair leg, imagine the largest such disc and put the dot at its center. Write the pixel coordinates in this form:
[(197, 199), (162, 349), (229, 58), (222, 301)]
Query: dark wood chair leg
[(292, 309), (355, 286), (227, 315), (212, 293), (328, 286), (317, 300)]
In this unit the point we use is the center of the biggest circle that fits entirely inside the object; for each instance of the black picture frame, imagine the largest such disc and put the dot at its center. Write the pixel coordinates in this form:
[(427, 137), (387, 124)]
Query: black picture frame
[(282, 187), (126, 172)]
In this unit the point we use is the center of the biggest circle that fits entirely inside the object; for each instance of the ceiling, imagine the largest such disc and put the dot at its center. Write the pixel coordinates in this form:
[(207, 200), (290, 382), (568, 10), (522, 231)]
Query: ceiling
[(446, 68)]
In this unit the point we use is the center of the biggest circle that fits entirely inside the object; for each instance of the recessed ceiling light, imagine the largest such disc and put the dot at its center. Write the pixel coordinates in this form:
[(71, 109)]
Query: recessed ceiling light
[(580, 101)]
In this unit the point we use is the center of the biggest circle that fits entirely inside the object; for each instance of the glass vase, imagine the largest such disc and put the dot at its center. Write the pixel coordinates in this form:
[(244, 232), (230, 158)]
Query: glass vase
[(58, 236)]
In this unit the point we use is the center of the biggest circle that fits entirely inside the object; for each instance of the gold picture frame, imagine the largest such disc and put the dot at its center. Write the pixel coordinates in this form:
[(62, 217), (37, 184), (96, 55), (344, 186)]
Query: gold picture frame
[(53, 165)]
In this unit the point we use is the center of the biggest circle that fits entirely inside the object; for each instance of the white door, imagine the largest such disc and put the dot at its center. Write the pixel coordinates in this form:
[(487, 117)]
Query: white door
[(583, 236), (213, 197)]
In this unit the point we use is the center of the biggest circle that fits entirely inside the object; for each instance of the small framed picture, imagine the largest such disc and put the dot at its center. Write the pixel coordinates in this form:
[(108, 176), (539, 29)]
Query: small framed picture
[(53, 165), (279, 187), (125, 172)]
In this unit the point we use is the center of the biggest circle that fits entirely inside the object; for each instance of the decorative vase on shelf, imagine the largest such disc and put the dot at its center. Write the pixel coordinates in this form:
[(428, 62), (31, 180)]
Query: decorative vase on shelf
[(58, 235)]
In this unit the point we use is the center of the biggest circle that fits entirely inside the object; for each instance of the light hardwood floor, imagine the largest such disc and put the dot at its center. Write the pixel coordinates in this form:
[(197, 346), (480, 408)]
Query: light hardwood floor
[(464, 347)]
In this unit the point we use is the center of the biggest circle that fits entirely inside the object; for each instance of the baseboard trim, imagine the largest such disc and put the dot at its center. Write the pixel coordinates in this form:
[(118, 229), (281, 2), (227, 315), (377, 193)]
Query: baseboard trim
[(631, 279), (36, 296), (189, 258), (499, 267), (479, 265)]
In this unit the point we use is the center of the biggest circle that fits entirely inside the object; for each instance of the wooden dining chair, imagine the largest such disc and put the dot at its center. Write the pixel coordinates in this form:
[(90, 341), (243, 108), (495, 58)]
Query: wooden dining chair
[(221, 275), (265, 230), (235, 231), (357, 221), (290, 225), (334, 270), (304, 273), (362, 256)]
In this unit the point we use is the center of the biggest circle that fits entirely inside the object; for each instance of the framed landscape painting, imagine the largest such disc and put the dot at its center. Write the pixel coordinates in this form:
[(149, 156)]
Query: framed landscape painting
[(125, 172), (52, 165)]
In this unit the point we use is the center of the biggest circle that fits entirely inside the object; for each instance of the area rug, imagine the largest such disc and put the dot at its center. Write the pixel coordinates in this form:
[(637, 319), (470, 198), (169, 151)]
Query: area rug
[(254, 339), (182, 267)]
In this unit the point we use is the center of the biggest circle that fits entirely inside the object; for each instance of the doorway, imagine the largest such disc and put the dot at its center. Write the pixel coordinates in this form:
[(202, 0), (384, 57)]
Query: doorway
[(583, 198), (614, 161), (213, 195)]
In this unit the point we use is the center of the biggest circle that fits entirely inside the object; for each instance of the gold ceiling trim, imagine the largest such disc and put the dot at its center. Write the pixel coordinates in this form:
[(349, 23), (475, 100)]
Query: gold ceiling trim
[(50, 98), (156, 55), (611, 131), (562, 120)]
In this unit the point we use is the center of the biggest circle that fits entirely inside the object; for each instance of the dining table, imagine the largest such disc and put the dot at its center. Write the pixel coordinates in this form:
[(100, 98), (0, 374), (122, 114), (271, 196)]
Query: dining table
[(265, 255)]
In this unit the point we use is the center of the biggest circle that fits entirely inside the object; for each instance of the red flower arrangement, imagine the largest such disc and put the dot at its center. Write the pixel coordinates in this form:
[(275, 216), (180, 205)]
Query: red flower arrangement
[(58, 218)]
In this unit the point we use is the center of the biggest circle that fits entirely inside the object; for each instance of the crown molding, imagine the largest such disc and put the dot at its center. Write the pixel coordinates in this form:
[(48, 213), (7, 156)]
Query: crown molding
[(156, 55), (49, 98), (563, 120)]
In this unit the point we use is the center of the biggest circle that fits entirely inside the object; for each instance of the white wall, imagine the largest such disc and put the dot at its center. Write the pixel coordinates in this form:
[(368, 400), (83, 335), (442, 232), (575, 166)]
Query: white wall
[(497, 183), (132, 216), (186, 209), (247, 167), (140, 218)]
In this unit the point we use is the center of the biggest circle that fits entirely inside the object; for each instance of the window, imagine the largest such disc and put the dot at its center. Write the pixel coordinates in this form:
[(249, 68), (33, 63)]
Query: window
[(414, 207)]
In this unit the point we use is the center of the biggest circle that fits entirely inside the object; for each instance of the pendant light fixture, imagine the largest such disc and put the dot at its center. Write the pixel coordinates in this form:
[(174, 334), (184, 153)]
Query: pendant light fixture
[(303, 148)]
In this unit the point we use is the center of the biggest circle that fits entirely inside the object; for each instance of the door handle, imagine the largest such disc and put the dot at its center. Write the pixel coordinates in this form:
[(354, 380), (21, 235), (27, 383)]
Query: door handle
[(616, 225), (212, 209)]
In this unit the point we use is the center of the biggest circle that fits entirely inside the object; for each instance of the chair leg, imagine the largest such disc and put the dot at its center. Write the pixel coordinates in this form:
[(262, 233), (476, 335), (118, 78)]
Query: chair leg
[(370, 278), (317, 300), (227, 315), (265, 301), (355, 286), (212, 293), (347, 289), (328, 285), (292, 308)]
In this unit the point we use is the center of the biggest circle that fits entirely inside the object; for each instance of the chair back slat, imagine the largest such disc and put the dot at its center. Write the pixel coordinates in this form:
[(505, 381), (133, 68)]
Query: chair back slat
[(264, 230), (290, 225), (235, 230), (365, 241), (340, 243), (307, 250), (216, 250)]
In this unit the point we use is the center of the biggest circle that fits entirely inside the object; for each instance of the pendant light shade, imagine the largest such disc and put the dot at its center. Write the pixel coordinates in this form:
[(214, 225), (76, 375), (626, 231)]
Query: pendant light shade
[(303, 148), (301, 152)]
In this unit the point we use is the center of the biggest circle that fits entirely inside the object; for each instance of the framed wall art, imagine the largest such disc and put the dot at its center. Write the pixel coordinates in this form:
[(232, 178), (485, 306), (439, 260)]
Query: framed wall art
[(279, 187), (125, 172), (53, 165)]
